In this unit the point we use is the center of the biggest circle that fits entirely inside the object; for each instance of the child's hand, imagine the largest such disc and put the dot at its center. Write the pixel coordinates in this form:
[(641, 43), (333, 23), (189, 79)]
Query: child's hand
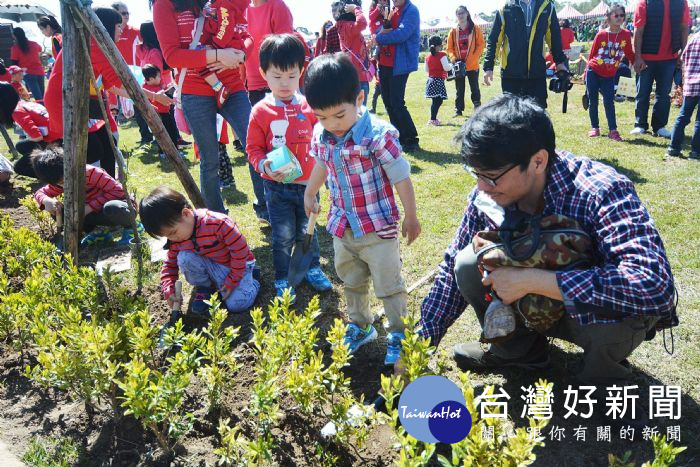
[(225, 293), (311, 205), (276, 175), (51, 205), (410, 228), (350, 8), (88, 209)]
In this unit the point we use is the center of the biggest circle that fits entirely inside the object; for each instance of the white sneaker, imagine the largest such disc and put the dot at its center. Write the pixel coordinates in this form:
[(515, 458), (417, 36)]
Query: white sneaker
[(663, 132), (638, 131)]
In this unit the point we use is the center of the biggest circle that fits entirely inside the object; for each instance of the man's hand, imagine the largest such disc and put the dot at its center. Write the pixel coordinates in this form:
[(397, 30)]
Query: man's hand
[(510, 284), (639, 65), (488, 77), (311, 204), (276, 175), (51, 205), (225, 293), (410, 228)]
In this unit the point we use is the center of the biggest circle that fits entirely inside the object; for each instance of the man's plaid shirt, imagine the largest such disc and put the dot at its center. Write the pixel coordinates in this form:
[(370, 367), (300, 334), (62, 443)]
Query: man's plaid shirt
[(632, 277), (691, 67)]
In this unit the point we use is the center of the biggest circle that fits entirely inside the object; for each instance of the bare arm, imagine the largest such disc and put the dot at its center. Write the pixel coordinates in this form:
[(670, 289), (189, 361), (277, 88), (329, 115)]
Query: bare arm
[(411, 227), (313, 185), (639, 64)]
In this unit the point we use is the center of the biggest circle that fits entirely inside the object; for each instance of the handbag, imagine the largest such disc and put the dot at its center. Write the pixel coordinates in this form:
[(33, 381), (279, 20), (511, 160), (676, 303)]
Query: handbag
[(554, 243)]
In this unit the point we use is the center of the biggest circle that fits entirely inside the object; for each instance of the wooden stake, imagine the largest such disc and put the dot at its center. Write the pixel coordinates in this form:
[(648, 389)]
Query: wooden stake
[(8, 141), (109, 49), (75, 118)]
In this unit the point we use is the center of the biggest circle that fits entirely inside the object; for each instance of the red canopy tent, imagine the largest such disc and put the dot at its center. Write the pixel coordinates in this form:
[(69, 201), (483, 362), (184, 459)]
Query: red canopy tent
[(600, 10), (569, 12)]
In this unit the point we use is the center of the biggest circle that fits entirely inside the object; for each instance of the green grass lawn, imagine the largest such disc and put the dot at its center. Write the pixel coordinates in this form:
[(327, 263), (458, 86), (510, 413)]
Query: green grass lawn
[(669, 188)]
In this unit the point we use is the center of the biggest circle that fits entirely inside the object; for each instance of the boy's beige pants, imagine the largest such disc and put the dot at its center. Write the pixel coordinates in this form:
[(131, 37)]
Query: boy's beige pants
[(358, 259)]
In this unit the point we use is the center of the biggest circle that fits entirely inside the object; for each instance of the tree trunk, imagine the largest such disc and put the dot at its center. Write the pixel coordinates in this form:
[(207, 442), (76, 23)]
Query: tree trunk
[(75, 118), (109, 48)]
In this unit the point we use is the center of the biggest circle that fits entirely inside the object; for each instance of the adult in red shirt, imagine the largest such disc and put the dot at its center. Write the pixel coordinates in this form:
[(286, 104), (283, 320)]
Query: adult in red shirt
[(567, 35), (264, 17), (130, 36), (350, 26), (175, 22), (33, 118), (27, 54), (49, 27), (660, 34)]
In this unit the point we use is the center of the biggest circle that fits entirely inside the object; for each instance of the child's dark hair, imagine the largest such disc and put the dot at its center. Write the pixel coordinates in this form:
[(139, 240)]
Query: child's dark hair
[(435, 42), (149, 71), (162, 208), (285, 51), (48, 164), (331, 80), (613, 8)]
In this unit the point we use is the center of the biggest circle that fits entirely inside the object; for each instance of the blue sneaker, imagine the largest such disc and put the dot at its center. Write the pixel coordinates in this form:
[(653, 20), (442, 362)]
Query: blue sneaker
[(318, 280), (97, 236), (128, 234), (281, 285), (199, 308), (393, 347), (356, 337)]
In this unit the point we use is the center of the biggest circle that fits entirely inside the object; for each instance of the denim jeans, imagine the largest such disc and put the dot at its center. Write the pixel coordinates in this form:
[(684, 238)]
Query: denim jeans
[(596, 84), (686, 113), (285, 202), (35, 84), (203, 272), (660, 71), (364, 85), (200, 112), (394, 97)]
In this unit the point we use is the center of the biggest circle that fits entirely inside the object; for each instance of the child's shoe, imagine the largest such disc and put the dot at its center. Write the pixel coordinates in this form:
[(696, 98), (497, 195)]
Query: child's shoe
[(615, 135), (594, 132), (356, 337), (318, 280), (393, 347), (200, 309), (222, 96), (128, 234), (97, 236), (281, 285)]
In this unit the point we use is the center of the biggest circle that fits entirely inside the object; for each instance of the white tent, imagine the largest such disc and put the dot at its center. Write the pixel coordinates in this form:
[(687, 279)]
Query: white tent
[(569, 12), (600, 10)]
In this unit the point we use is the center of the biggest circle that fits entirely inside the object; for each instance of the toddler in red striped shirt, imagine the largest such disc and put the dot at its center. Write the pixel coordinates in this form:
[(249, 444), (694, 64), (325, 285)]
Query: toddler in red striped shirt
[(206, 246)]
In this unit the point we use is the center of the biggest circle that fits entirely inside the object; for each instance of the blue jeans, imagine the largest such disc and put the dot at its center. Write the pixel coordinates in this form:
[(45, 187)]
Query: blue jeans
[(200, 112), (686, 113), (203, 272), (364, 85), (35, 84), (660, 71), (285, 202), (597, 84)]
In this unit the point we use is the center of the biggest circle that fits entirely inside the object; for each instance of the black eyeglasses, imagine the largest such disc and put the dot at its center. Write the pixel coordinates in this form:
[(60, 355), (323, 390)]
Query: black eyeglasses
[(491, 181), (124, 13)]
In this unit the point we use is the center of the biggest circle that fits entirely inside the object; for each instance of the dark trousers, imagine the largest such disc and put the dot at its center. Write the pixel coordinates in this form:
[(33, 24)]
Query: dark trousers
[(597, 84), (684, 117), (375, 95), (604, 346), (460, 85), (254, 97), (394, 97), (661, 72), (170, 125), (35, 84), (99, 149), (435, 107), (534, 88), (144, 131)]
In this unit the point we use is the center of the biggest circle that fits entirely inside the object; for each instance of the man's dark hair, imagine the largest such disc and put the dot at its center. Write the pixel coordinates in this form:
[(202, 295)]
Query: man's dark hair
[(162, 208), (109, 18), (508, 130), (8, 102), (331, 80), (149, 71), (285, 51), (48, 164)]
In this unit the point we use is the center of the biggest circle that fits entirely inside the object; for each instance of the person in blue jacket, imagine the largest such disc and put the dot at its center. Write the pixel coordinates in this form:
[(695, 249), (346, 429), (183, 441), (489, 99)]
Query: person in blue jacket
[(399, 42)]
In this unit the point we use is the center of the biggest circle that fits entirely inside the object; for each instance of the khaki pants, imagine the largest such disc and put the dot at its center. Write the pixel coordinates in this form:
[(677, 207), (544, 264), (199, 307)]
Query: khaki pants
[(604, 346), (358, 259)]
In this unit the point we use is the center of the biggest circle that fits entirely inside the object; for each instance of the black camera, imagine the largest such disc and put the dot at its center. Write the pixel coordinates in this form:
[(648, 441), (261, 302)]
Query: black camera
[(339, 13), (459, 70), (561, 82)]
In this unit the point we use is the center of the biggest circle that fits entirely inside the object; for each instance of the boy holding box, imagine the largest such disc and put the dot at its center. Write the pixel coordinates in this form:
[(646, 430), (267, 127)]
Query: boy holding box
[(278, 143), (361, 158)]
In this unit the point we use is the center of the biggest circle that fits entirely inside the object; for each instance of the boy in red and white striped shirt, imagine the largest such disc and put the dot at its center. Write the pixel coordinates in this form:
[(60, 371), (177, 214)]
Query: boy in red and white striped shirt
[(207, 246), (104, 197)]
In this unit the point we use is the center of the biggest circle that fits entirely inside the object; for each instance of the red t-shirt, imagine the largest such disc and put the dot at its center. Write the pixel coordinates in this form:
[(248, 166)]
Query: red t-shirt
[(125, 44), (608, 50), (30, 61), (567, 37), (464, 43), (665, 48), (353, 42), (174, 29), (435, 69), (160, 108), (272, 17), (387, 53), (34, 120)]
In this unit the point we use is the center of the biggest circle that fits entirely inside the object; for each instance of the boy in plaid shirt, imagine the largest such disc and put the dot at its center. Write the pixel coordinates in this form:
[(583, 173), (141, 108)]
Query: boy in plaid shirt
[(361, 158), (691, 98)]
